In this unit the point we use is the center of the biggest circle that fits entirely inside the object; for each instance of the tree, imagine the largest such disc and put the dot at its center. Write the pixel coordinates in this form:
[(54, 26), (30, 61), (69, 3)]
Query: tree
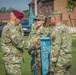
[(1, 23), (10, 9), (26, 12), (3, 9), (71, 4)]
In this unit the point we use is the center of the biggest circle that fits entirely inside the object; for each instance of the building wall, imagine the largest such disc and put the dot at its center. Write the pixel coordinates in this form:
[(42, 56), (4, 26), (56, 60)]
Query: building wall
[(45, 7), (39, 6), (69, 18)]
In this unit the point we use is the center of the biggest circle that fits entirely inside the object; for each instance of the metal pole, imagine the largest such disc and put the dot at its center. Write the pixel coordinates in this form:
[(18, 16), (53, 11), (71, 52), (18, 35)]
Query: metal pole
[(35, 1)]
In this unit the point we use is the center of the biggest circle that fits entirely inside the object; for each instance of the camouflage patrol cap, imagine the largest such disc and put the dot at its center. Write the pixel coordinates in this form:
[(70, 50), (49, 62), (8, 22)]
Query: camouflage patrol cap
[(55, 12), (40, 17)]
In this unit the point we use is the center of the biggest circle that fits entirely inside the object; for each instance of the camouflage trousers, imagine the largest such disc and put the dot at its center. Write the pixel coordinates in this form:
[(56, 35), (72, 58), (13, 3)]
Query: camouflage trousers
[(13, 69), (38, 67)]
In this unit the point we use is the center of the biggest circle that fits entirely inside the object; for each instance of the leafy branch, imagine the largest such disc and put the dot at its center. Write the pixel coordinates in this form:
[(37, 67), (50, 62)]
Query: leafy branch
[(71, 4)]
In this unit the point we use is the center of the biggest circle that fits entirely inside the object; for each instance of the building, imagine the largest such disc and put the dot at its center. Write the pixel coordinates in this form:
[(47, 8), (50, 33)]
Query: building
[(69, 16), (46, 6), (43, 6), (4, 17)]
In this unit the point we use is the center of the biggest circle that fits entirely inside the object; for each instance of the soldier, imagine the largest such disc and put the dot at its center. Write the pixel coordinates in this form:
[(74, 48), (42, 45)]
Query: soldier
[(61, 45), (13, 44), (38, 31)]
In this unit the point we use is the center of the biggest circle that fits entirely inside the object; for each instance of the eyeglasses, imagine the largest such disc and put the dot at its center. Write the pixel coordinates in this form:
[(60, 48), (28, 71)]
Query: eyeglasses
[(37, 20)]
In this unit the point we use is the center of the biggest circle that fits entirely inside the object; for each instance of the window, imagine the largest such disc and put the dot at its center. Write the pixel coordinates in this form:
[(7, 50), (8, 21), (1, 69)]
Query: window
[(50, 8), (70, 9), (47, 10)]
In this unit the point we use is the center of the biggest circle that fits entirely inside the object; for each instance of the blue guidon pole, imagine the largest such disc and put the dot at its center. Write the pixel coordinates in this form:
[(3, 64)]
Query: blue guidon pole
[(34, 60), (45, 54)]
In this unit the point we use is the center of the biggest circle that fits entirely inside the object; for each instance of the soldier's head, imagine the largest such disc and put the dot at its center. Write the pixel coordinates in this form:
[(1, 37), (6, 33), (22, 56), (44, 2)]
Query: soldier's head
[(40, 20), (55, 17), (16, 16)]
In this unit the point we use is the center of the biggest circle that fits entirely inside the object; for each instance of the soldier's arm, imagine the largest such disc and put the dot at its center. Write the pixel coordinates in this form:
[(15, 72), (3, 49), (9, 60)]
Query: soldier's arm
[(5, 35), (55, 48), (32, 44), (17, 38)]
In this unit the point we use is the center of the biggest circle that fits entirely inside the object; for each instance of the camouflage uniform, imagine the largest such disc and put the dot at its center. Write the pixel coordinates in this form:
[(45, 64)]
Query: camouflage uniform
[(35, 34), (33, 27), (61, 44), (12, 47)]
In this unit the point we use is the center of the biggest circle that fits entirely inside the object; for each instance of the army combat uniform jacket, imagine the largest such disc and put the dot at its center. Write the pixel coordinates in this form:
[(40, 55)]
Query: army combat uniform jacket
[(12, 43), (61, 45), (45, 32), (35, 34)]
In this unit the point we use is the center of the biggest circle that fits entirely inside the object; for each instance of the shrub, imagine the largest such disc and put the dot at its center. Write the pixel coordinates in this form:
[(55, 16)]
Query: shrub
[(1, 23)]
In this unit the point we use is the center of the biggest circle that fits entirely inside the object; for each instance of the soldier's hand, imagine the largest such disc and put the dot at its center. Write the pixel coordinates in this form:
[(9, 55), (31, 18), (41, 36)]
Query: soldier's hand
[(38, 51), (35, 40), (52, 70), (37, 44)]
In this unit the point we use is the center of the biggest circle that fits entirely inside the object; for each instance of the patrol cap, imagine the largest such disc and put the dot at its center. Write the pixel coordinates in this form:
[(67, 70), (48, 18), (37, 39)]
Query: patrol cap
[(55, 12), (18, 14), (40, 17)]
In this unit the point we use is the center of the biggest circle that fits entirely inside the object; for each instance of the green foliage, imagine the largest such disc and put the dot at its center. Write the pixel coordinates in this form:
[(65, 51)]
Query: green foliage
[(71, 4), (26, 12), (1, 23), (3, 9)]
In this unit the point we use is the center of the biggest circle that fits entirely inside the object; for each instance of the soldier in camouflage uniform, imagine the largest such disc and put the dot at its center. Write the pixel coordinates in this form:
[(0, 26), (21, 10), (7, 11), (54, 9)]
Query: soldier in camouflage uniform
[(61, 45), (38, 31), (13, 44)]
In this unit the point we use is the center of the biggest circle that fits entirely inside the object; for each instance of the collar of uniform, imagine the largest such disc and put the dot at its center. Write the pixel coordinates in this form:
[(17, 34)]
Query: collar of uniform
[(59, 24), (11, 24)]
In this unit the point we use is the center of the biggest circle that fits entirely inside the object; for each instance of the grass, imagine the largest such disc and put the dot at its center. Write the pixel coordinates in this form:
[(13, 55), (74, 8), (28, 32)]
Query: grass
[(73, 68), (26, 65)]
